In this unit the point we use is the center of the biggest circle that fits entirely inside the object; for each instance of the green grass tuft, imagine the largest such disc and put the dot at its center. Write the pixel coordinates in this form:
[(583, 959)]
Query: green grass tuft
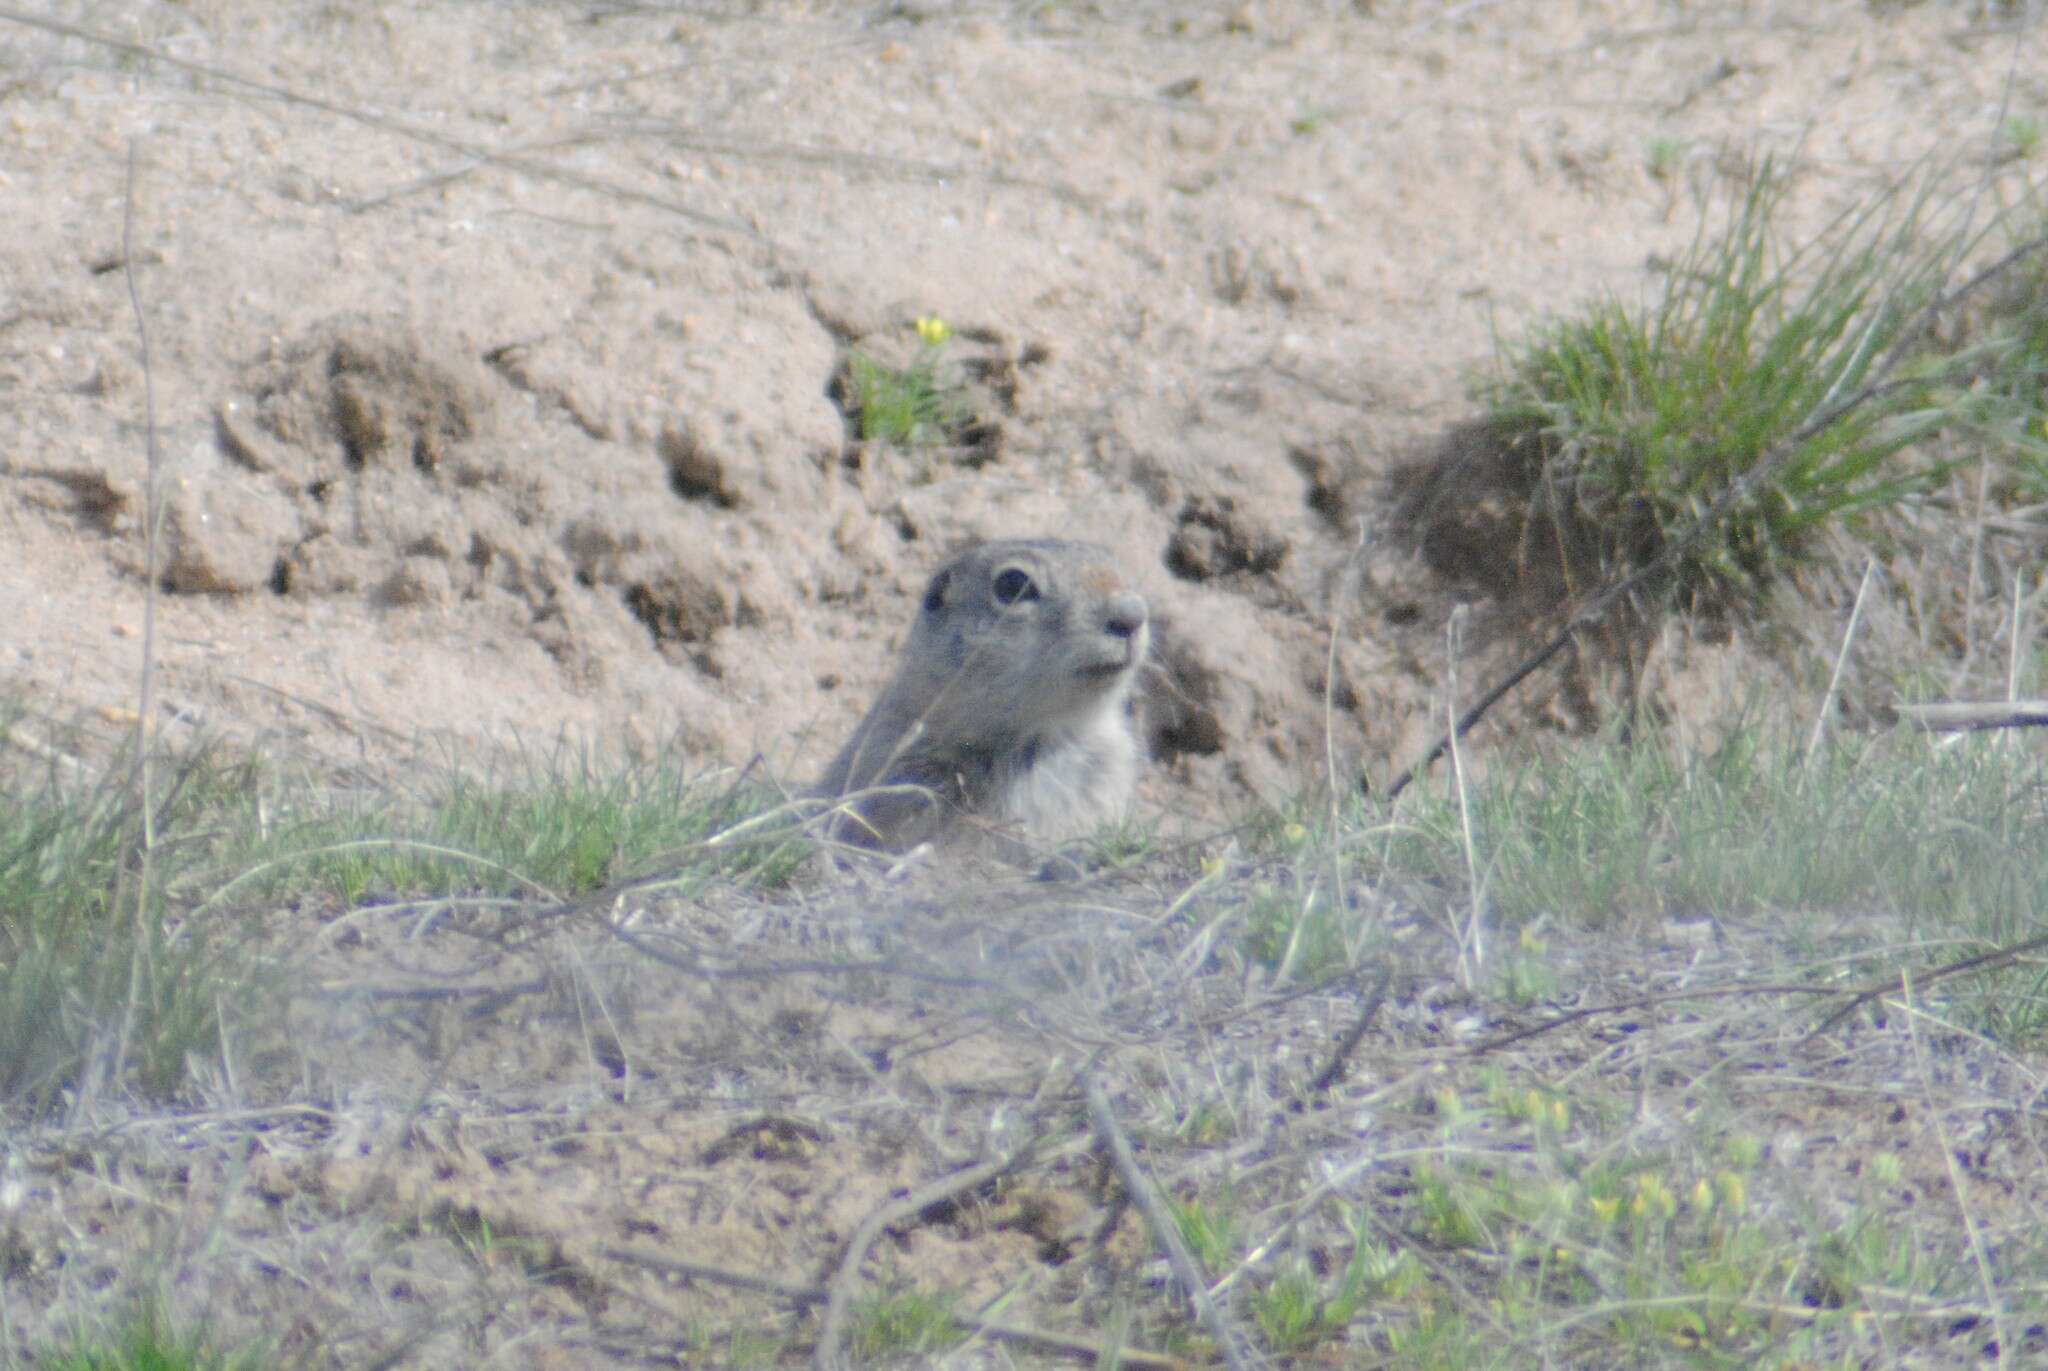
[(147, 1343), (1941, 841), (1636, 418), (108, 979), (909, 407), (95, 965), (901, 1325)]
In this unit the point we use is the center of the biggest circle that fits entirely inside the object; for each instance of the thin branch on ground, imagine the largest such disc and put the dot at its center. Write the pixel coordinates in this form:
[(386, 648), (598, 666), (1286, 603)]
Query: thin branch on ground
[(1340, 1056), (1230, 1342), (1629, 1006), (846, 1279), (804, 1296), (1972, 1226), (145, 718), (1470, 938), (1957, 716), (1827, 699), (1986, 961)]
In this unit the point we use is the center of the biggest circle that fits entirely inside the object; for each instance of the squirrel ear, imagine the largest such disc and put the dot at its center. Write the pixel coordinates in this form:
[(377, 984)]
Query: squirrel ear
[(935, 593)]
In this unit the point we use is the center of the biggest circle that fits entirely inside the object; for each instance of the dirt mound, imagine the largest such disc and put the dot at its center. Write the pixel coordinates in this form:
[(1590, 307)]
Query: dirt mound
[(592, 464)]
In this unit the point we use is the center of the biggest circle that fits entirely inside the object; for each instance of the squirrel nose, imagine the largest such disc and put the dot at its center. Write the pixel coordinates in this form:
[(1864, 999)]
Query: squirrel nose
[(1125, 615)]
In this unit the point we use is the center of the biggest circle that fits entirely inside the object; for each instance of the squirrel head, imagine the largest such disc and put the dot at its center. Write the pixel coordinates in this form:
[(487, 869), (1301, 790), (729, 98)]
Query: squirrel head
[(1031, 635)]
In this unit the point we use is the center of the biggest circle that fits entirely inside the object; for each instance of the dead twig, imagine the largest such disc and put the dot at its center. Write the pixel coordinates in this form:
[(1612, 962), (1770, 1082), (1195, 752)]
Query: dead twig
[(1858, 998), (1340, 1056), (1722, 992), (1165, 1232), (801, 1296), (1983, 961), (1973, 1226), (1084, 1349), (1471, 938), (804, 1296), (1827, 700), (762, 971), (846, 1279), (1957, 716), (104, 1072)]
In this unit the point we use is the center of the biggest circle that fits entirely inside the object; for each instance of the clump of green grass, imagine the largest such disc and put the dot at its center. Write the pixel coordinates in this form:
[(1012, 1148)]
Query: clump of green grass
[(1292, 934), (907, 1323), (1310, 120), (1205, 1123), (1297, 1310), (1291, 927), (2022, 133), (1524, 1232), (495, 1246), (2012, 378), (146, 1342), (1632, 420), (1127, 841), (555, 827), (116, 972), (1663, 156), (1303, 1304), (1938, 839), (1524, 976), (97, 975), (910, 406), (740, 1348), (1210, 1230)]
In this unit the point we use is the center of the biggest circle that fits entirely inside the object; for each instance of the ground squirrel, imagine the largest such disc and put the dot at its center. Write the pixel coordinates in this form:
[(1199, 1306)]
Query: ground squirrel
[(1011, 702)]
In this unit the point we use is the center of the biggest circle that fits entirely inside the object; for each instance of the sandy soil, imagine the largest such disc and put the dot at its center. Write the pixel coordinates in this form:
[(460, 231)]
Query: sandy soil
[(494, 346)]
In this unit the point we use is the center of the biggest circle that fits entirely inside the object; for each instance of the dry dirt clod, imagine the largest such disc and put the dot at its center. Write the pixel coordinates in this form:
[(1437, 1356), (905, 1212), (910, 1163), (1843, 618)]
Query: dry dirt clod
[(1215, 539)]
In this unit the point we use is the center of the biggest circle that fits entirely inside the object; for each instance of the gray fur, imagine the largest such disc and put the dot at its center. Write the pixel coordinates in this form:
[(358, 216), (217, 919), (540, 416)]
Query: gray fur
[(1014, 712)]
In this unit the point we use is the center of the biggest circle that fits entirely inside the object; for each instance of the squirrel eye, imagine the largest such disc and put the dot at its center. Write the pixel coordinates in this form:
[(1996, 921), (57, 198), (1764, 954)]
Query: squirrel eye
[(1013, 585), (935, 594)]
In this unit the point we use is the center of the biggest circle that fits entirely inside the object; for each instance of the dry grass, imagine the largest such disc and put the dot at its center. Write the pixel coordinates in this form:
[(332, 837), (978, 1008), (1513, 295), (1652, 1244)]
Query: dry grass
[(655, 1117)]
